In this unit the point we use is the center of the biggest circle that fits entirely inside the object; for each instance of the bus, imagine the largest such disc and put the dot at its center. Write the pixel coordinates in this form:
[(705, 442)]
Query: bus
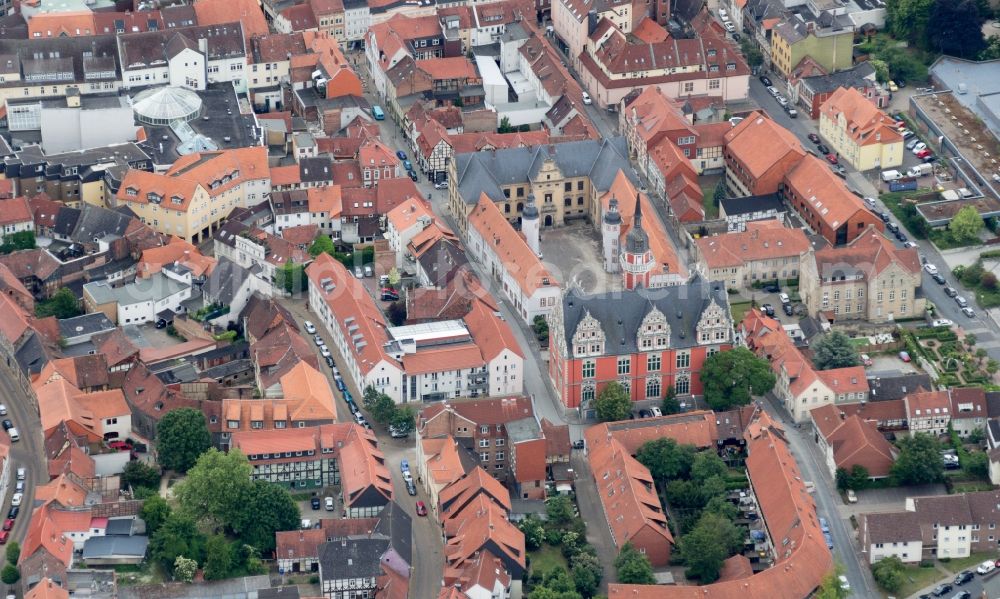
[(377, 113)]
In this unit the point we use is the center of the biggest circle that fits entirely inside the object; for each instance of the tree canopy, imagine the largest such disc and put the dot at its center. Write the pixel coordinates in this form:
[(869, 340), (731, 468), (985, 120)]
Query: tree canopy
[(919, 460), (633, 567), (137, 474), (613, 403), (704, 549), (291, 277), (834, 350), (62, 304), (22, 240), (181, 436), (957, 29), (966, 225), (666, 459), (889, 573), (731, 378), (321, 245)]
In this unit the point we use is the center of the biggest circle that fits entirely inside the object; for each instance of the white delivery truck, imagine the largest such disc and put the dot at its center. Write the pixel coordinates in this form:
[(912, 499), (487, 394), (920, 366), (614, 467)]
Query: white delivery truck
[(892, 175)]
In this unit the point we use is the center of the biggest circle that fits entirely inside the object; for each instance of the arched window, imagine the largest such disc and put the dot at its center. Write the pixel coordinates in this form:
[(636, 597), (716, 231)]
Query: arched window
[(683, 385), (652, 388), (587, 395)]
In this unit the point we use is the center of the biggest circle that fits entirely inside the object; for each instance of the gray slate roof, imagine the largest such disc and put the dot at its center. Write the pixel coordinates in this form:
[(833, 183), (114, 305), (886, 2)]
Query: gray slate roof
[(361, 556), (621, 312), (485, 172), (862, 75), (225, 280), (114, 546)]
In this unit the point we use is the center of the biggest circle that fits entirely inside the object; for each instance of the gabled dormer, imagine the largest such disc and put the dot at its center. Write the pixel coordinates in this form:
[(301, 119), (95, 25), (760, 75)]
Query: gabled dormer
[(589, 337), (713, 325), (654, 332)]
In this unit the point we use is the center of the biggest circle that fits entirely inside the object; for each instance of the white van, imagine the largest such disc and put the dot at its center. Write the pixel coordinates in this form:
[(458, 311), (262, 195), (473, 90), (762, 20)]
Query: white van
[(892, 175), (986, 567), (14, 435), (920, 170)]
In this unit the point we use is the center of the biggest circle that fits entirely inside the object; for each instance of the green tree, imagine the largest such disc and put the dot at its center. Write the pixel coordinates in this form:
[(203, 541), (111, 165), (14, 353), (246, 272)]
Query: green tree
[(706, 465), (559, 510), (403, 419), (155, 511), (834, 350), (394, 277), (62, 304), (185, 568), (908, 19), (751, 53), (178, 536), (13, 552), (215, 488), (966, 225), (321, 245), (23, 240), (396, 313), (379, 405), (585, 569), (707, 546), (992, 50), (919, 461), (613, 403), (219, 558), (888, 573), (181, 436), (731, 378), (534, 532), (633, 567), (666, 459), (291, 277), (977, 464), (881, 69), (266, 509), (830, 587), (10, 574), (957, 28), (721, 506), (857, 478), (670, 404), (720, 192), (505, 126), (138, 474)]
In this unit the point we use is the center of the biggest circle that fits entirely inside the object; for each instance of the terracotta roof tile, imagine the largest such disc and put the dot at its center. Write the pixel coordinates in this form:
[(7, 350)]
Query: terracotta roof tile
[(762, 240), (759, 144), (523, 265), (15, 211), (865, 123), (443, 464)]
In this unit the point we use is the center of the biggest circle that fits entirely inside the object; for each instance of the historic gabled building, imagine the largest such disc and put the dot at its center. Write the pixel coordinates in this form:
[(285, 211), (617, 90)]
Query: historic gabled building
[(649, 341)]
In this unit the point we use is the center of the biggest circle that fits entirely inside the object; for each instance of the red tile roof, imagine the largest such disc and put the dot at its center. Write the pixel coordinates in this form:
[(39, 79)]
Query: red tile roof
[(759, 143), (523, 265), (762, 240), (247, 12), (15, 211)]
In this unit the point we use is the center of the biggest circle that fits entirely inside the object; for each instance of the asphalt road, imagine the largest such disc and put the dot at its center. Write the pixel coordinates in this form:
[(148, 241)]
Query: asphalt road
[(987, 331), (28, 452), (988, 587)]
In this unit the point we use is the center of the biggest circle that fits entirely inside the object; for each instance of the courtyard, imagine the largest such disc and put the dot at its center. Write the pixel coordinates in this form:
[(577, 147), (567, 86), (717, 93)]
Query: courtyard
[(573, 254)]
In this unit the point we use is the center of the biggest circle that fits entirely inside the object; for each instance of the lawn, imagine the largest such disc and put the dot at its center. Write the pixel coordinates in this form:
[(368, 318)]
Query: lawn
[(546, 558), (918, 578), (964, 563), (708, 200), (739, 309)]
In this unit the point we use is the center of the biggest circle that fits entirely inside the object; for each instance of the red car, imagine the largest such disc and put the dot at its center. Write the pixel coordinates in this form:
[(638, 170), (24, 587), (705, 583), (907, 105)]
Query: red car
[(831, 158), (119, 445), (3, 536), (8, 524), (421, 509), (923, 153)]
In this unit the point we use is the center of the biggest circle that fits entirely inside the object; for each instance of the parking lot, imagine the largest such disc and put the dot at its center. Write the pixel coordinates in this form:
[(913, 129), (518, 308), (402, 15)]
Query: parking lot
[(573, 254)]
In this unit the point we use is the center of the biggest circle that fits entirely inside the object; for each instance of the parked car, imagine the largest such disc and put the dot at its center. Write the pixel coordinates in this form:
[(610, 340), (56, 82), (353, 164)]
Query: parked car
[(828, 539), (941, 589), (768, 309), (4, 535), (8, 524), (930, 268), (968, 312), (358, 273), (765, 81), (771, 90), (772, 288), (310, 327), (401, 154), (328, 504), (411, 487), (961, 301), (324, 351), (884, 216), (644, 413), (813, 138), (21, 473), (938, 278), (579, 444), (787, 309), (3, 410), (586, 99), (986, 567), (441, 185), (963, 577), (404, 466), (823, 525), (16, 498), (368, 271), (823, 149), (950, 291), (421, 508), (942, 322), (904, 356), (831, 158), (844, 585), (7, 425), (315, 503), (397, 433), (925, 153), (866, 360), (852, 497), (13, 512), (917, 147), (783, 297), (839, 170), (330, 362)]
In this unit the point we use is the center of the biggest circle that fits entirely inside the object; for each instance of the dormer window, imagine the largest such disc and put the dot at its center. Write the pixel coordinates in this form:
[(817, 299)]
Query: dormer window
[(154, 197), (175, 199), (131, 191)]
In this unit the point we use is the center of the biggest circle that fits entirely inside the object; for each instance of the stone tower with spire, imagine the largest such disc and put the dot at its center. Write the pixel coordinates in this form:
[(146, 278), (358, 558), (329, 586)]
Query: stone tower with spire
[(530, 225), (611, 228), (637, 258)]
